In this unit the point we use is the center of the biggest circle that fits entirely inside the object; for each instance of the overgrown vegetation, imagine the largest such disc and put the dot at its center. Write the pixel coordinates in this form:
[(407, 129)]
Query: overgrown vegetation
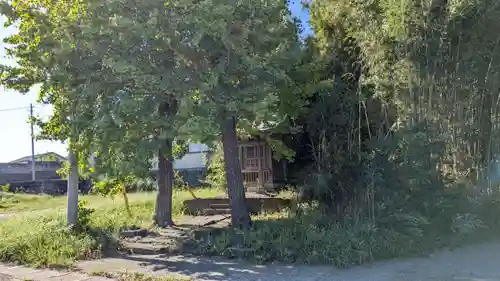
[(44, 240), (310, 236), (399, 154), (18, 202), (391, 108), (216, 177)]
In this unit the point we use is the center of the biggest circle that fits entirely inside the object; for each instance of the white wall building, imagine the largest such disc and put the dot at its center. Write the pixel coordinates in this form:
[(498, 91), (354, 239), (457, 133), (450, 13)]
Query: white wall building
[(195, 158)]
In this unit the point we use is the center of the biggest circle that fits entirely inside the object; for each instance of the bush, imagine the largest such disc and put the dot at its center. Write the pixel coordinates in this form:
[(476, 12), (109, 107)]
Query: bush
[(84, 216), (6, 188), (312, 236), (216, 175), (308, 238)]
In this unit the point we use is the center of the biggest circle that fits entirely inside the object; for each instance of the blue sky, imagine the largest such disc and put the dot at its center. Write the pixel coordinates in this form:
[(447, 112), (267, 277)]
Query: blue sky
[(303, 14), (15, 141)]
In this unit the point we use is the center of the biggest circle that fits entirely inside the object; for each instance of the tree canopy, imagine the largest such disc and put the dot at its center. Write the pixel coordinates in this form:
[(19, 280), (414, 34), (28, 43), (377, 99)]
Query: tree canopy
[(124, 77)]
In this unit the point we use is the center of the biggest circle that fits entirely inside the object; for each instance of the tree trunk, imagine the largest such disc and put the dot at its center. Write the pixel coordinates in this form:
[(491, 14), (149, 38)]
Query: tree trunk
[(125, 200), (236, 191), (486, 130), (163, 208), (72, 212)]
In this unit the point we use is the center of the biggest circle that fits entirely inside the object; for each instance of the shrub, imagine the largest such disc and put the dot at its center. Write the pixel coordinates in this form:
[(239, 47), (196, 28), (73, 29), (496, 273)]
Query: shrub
[(84, 214), (309, 238), (6, 188), (312, 235), (216, 175)]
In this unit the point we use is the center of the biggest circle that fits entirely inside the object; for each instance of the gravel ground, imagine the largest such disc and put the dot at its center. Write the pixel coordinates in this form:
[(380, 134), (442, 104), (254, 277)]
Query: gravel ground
[(473, 263)]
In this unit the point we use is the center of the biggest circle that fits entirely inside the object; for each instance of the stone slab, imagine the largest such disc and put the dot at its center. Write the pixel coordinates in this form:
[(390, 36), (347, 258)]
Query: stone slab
[(20, 273)]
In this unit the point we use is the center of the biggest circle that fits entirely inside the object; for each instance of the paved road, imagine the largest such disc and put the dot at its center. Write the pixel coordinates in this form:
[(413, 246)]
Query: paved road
[(474, 263)]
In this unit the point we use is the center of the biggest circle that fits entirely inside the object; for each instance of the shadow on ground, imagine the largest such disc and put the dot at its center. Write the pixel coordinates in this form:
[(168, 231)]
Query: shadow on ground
[(167, 253), (200, 268), (477, 263)]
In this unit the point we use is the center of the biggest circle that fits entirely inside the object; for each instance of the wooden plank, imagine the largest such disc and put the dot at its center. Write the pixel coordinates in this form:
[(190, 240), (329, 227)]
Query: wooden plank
[(239, 157), (259, 163)]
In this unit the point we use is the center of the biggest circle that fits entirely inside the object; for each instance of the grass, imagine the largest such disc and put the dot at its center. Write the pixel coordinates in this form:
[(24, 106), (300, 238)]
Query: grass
[(136, 276), (304, 235), (19, 202), (43, 240), (14, 203)]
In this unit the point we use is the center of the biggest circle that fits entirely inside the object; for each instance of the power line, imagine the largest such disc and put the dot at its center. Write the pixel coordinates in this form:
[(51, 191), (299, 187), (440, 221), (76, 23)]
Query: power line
[(14, 108), (19, 108)]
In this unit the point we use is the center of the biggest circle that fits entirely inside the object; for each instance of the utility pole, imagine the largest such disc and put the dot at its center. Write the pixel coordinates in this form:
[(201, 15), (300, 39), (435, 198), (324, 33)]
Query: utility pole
[(33, 166)]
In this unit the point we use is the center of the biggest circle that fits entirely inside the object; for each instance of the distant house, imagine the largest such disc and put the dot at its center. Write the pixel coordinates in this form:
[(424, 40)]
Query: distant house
[(260, 171), (49, 157), (192, 166), (19, 170)]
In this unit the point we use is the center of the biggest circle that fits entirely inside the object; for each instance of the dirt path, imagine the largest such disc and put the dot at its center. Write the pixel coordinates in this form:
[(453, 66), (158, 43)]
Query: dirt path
[(474, 263), (19, 273)]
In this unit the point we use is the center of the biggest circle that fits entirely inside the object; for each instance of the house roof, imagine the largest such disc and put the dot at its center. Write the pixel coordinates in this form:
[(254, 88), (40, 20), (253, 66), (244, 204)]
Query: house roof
[(44, 157)]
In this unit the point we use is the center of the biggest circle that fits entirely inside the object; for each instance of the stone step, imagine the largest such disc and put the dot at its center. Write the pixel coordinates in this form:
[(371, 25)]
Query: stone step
[(213, 212), (19, 273), (166, 240), (144, 249), (219, 206), (236, 252), (255, 204), (133, 233)]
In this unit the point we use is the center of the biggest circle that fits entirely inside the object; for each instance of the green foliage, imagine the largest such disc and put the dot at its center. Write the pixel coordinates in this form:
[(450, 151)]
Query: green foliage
[(247, 58), (112, 186), (84, 213), (121, 105), (179, 182), (216, 175), (84, 172), (404, 121), (312, 236), (396, 104), (6, 188)]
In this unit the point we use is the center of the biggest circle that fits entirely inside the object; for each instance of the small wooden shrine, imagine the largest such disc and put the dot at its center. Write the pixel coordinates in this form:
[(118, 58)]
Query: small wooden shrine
[(260, 171)]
